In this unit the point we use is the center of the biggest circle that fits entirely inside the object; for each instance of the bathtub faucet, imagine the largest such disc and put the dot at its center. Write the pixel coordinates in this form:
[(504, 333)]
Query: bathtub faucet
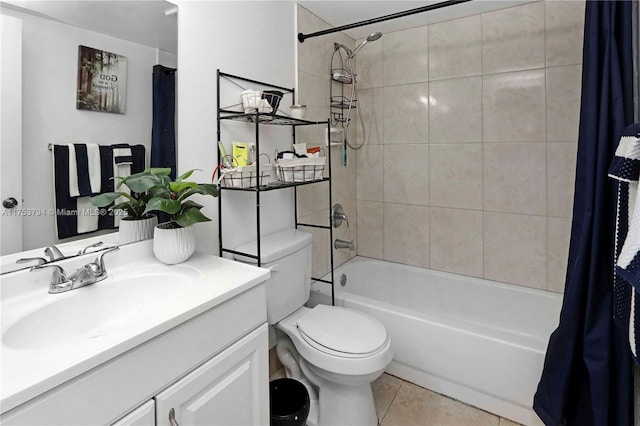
[(342, 244)]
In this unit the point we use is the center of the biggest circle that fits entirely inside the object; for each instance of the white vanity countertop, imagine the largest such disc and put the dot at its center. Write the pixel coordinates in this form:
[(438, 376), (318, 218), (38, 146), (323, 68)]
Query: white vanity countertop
[(28, 370)]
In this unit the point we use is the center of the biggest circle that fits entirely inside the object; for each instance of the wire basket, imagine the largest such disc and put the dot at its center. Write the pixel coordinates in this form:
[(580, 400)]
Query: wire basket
[(253, 101), (245, 176), (300, 169)]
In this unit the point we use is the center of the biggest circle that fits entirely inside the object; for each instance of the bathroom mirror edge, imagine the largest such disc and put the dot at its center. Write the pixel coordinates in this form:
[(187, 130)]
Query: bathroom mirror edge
[(132, 13)]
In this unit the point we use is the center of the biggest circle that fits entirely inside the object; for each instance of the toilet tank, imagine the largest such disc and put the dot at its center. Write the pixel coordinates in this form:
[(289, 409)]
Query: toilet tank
[(287, 254)]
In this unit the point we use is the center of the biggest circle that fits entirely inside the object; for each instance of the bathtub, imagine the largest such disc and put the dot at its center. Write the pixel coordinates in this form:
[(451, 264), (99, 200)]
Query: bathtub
[(478, 341)]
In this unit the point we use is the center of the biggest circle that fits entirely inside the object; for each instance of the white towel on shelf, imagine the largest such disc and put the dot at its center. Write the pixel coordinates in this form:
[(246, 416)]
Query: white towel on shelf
[(120, 169)]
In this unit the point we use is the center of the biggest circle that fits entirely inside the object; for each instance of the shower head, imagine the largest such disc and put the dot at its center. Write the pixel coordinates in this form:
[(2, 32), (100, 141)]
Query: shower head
[(371, 37)]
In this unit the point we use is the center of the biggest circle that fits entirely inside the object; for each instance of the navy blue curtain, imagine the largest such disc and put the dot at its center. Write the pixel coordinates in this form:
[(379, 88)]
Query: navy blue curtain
[(163, 135), (587, 377)]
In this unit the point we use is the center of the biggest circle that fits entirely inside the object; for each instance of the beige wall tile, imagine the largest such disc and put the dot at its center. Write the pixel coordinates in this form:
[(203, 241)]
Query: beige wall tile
[(405, 57), (406, 174), (368, 63), (343, 183), (558, 236), (563, 102), (312, 54), (406, 113), (455, 243), (513, 38), (370, 229), (370, 102), (514, 107), (564, 29), (313, 92), (561, 172), (406, 234), (515, 249), (455, 176), (312, 198), (455, 110), (455, 48), (515, 178), (414, 406), (370, 167)]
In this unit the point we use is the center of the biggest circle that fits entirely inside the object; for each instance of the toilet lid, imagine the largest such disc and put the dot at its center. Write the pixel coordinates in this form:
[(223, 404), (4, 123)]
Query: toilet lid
[(342, 329)]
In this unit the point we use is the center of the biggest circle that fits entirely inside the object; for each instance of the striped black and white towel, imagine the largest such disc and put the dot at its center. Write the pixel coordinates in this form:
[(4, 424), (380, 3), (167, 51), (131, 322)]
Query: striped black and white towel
[(625, 168), (75, 214)]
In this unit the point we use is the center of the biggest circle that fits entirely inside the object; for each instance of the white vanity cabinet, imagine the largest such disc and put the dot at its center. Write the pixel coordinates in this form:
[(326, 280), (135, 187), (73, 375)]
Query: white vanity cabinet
[(211, 369), (225, 391), (145, 415)]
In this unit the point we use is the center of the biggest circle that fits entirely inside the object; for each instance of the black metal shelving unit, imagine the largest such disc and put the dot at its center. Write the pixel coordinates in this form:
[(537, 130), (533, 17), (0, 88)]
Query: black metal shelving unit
[(268, 119)]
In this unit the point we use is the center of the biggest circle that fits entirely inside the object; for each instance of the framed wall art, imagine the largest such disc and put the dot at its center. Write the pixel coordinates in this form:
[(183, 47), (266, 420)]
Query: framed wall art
[(102, 81)]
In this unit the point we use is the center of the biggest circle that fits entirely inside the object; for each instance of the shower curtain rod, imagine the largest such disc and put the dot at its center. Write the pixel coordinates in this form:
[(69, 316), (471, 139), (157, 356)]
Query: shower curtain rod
[(303, 37)]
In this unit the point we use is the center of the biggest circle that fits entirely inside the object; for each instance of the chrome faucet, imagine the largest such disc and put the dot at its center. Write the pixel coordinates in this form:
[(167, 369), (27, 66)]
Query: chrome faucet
[(53, 253), (342, 244), (88, 274)]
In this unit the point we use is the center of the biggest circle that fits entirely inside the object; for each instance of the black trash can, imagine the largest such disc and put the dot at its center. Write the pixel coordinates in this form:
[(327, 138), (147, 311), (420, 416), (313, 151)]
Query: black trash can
[(289, 402)]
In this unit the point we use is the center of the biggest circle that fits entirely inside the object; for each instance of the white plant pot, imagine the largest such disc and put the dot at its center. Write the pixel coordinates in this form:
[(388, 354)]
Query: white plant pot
[(132, 230), (173, 245)]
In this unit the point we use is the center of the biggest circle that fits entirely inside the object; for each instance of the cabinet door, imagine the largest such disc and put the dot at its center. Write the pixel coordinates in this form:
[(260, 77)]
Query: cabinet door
[(144, 415), (230, 389)]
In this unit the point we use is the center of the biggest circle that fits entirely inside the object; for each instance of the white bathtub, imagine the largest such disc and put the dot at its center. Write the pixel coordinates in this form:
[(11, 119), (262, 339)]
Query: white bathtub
[(478, 341)]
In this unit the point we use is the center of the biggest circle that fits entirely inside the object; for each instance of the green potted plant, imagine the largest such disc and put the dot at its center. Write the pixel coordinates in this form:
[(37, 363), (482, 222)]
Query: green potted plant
[(174, 241), (138, 224)]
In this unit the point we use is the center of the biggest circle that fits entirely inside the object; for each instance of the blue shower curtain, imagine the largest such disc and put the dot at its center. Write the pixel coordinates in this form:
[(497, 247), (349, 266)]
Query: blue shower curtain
[(163, 136), (587, 377)]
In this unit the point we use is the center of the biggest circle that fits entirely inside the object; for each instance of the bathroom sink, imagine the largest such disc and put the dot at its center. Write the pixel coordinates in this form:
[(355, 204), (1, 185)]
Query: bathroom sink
[(97, 310)]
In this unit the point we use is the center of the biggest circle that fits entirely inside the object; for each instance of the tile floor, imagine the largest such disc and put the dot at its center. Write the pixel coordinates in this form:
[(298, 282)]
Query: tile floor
[(400, 403)]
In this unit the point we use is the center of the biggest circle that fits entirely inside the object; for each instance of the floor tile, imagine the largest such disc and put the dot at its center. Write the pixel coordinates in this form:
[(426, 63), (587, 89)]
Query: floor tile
[(416, 406), (280, 374), (384, 390)]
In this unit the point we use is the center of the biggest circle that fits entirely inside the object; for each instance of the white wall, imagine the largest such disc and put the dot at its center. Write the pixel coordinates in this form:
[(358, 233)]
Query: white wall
[(50, 57), (251, 39)]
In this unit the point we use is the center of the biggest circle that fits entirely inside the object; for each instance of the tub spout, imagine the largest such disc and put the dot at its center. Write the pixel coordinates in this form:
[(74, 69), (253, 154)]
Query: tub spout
[(342, 244)]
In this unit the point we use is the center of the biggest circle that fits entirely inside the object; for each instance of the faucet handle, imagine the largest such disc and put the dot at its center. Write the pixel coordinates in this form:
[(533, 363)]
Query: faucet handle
[(40, 260), (338, 216), (100, 261), (59, 281), (84, 250)]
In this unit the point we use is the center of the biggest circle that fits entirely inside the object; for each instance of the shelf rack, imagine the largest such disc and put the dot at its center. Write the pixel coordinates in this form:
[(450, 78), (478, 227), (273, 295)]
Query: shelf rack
[(269, 119)]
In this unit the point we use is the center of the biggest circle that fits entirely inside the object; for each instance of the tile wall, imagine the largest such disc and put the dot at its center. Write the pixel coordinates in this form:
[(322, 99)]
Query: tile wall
[(473, 127), (314, 59)]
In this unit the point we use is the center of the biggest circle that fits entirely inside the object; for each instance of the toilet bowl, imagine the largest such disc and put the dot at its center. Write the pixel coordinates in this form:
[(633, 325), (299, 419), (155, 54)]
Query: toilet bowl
[(334, 351), (340, 352)]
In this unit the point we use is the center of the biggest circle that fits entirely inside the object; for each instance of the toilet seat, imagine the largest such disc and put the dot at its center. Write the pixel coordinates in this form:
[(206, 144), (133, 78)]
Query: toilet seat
[(330, 359), (342, 332)]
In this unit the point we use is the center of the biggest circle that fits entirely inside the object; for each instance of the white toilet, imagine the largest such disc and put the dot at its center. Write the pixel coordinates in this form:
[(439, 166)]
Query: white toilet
[(336, 352)]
